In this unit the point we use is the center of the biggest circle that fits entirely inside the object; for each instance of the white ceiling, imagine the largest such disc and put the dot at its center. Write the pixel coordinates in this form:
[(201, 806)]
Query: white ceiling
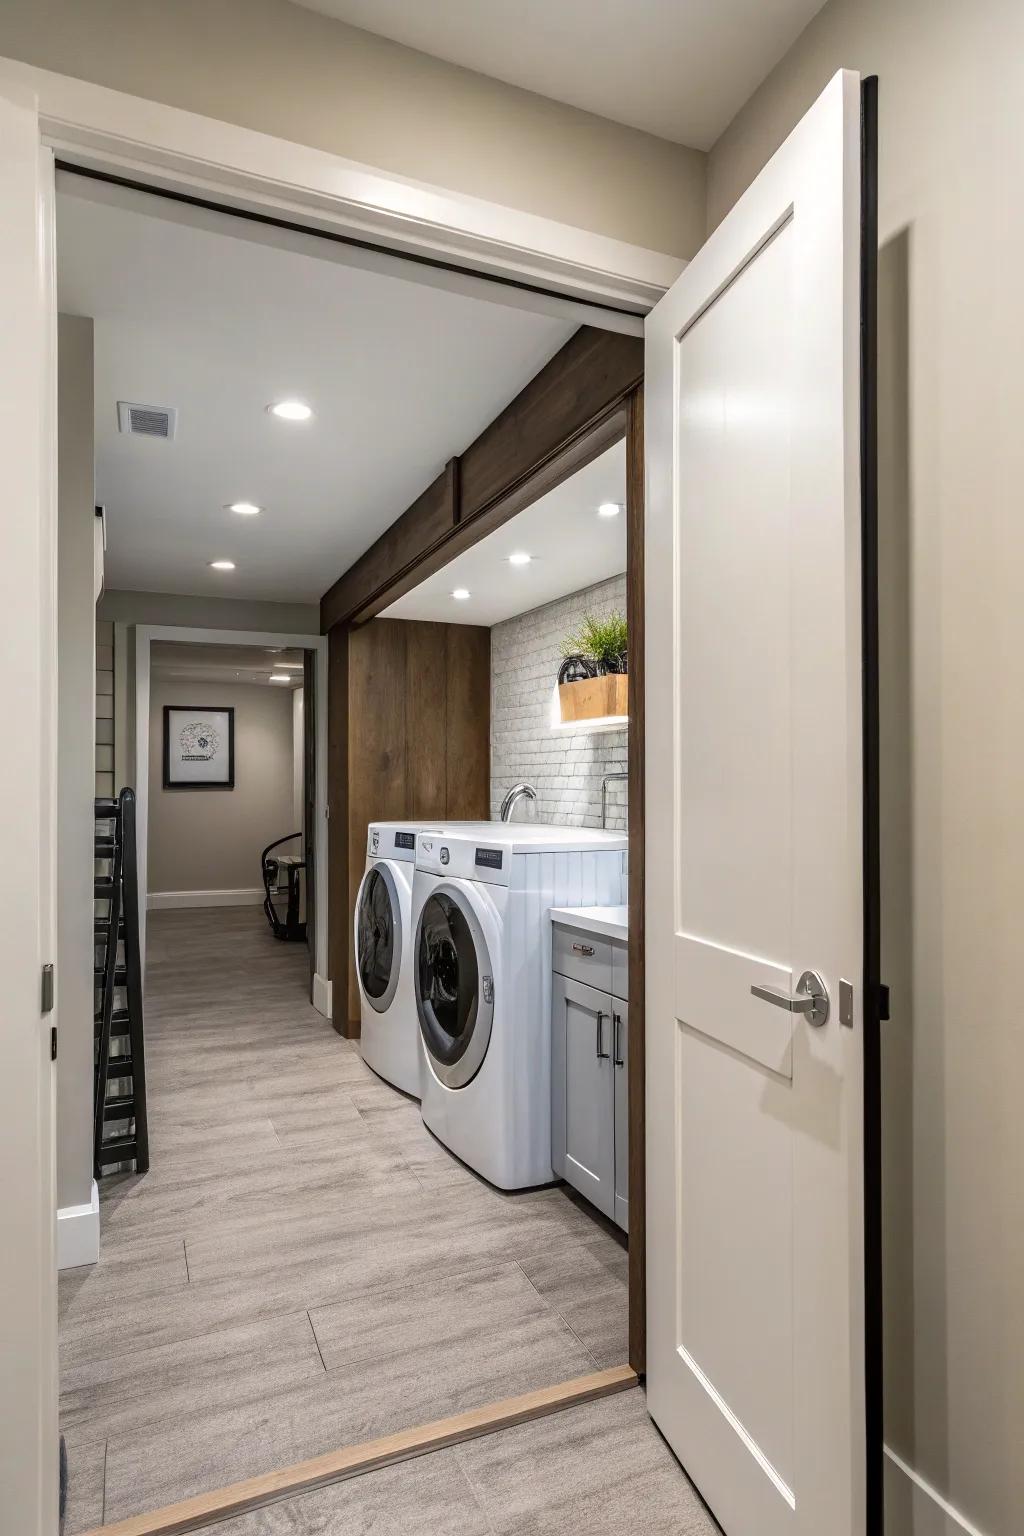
[(186, 662), (678, 68), (572, 547), (218, 324)]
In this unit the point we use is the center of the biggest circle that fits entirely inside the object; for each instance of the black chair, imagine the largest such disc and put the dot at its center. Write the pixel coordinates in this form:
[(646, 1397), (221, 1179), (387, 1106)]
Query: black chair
[(291, 929)]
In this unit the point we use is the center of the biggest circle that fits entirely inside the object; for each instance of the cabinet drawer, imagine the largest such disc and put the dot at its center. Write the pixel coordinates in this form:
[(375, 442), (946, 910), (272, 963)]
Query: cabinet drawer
[(585, 957)]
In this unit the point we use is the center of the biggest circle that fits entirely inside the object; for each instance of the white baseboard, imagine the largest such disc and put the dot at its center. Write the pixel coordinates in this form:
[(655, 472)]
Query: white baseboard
[(252, 896), (78, 1233), (914, 1508), (322, 995)]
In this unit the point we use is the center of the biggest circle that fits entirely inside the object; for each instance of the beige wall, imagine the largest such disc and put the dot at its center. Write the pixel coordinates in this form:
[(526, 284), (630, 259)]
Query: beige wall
[(952, 462), (287, 71), (211, 840), (76, 772), (209, 612)]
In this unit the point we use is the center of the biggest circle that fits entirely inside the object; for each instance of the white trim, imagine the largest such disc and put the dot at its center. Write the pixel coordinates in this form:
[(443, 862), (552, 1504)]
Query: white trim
[(323, 995), (93, 126), (914, 1508), (249, 896), (78, 1233), (145, 634)]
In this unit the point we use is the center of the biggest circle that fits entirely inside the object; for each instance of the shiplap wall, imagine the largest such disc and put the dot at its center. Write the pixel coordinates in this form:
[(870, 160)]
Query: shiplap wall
[(105, 708), (565, 767)]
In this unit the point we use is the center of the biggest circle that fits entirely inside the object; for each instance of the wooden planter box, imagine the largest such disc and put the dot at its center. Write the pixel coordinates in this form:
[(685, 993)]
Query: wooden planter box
[(594, 697)]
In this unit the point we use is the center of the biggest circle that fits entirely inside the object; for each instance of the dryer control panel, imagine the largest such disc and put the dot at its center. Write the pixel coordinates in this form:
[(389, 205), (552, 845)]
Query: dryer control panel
[(471, 857)]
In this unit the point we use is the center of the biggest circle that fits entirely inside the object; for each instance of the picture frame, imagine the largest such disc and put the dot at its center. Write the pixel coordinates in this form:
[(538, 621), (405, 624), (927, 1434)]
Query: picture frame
[(199, 746)]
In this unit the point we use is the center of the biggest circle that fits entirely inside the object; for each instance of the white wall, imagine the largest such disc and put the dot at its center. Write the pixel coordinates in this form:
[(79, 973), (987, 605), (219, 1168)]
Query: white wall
[(565, 767), (284, 70), (211, 840), (76, 772), (951, 463), (298, 760)]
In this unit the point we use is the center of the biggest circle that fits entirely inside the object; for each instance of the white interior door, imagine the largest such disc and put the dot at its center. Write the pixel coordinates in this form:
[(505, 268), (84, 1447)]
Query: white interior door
[(754, 859), (28, 1314)]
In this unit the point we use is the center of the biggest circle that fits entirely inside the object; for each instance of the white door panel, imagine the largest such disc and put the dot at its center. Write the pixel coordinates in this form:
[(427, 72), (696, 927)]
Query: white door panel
[(754, 860)]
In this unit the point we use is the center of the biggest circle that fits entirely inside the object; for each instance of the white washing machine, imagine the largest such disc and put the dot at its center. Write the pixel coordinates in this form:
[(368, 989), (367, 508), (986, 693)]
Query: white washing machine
[(383, 950), (482, 974), (383, 953)]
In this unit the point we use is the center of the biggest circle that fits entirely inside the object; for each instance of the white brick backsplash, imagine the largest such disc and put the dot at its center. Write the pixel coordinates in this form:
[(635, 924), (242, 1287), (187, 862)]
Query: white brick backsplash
[(565, 767)]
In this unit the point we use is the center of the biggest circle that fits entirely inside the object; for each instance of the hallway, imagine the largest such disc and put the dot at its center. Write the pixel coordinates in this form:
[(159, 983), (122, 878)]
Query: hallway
[(305, 1267)]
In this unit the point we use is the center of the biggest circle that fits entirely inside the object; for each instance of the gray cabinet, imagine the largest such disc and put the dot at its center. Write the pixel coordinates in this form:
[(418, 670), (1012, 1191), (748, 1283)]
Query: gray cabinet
[(589, 1035), (620, 1072)]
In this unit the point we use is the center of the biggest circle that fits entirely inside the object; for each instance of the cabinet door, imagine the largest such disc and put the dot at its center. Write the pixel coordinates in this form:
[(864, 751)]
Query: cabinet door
[(584, 1108), (620, 1067)]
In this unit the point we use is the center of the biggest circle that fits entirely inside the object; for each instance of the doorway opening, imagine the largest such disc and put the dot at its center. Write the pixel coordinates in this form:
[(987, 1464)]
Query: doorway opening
[(298, 1220)]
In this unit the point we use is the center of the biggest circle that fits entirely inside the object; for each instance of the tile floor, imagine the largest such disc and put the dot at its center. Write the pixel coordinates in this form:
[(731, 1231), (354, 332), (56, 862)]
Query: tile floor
[(304, 1266)]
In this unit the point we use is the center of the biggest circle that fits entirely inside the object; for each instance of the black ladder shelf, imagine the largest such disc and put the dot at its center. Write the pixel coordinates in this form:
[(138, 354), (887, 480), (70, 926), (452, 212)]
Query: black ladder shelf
[(121, 1133)]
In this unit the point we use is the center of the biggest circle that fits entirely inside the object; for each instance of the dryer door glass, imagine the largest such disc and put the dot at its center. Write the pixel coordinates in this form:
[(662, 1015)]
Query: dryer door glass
[(376, 931), (454, 989)]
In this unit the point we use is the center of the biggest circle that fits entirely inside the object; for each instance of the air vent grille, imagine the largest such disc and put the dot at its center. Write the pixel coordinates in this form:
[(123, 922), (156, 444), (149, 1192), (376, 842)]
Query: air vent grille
[(146, 420)]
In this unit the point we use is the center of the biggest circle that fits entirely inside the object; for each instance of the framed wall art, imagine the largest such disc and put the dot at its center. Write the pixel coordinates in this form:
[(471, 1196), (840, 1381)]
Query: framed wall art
[(199, 747)]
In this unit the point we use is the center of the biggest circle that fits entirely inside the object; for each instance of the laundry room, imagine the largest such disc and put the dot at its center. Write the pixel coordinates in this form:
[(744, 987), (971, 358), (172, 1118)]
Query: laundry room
[(489, 978)]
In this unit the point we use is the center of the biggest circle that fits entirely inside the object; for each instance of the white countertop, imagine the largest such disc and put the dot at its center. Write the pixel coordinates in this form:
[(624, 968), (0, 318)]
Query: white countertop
[(612, 922)]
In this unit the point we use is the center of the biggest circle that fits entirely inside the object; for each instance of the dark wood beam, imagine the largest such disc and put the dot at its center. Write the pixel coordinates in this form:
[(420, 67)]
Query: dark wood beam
[(549, 431)]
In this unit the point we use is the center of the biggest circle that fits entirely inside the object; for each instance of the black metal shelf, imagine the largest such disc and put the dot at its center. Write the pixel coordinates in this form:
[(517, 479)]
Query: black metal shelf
[(118, 930)]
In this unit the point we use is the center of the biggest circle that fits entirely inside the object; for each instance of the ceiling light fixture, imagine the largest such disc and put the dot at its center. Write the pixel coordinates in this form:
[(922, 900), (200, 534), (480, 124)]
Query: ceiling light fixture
[(244, 508), (280, 677), (520, 558), (609, 509), (290, 410), (460, 594), (222, 565)]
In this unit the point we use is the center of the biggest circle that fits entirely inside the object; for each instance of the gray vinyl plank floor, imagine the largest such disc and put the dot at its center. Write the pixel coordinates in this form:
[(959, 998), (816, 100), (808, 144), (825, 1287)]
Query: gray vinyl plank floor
[(304, 1265)]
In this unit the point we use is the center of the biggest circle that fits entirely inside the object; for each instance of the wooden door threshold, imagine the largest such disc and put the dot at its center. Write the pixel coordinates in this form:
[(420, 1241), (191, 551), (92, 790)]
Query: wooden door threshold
[(207, 1509)]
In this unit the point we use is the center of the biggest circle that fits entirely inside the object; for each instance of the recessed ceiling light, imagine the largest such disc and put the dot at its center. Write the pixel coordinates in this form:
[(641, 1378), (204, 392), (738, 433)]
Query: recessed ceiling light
[(520, 558), (609, 509), (244, 508), (222, 565), (280, 677), (290, 410), (460, 594)]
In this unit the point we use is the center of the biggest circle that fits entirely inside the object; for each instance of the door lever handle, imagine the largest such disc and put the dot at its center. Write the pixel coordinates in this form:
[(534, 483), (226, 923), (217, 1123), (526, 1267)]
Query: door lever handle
[(811, 998)]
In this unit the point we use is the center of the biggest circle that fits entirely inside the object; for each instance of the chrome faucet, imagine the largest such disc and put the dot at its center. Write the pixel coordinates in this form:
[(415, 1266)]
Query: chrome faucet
[(516, 793), (609, 778)]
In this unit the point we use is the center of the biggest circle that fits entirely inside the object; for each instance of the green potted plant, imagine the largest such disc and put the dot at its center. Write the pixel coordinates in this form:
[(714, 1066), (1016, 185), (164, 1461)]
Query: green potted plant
[(599, 644)]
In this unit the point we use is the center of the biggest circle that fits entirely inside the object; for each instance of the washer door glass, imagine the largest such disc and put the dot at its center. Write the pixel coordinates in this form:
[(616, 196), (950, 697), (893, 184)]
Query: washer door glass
[(378, 937), (454, 988)]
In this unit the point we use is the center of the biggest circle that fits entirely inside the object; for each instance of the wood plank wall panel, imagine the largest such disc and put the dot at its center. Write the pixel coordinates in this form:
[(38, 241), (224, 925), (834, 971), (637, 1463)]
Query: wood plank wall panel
[(417, 717), (468, 722), (337, 824), (426, 743)]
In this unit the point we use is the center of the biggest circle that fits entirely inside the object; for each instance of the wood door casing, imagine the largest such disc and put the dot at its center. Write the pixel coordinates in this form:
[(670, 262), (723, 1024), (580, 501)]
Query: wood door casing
[(416, 721)]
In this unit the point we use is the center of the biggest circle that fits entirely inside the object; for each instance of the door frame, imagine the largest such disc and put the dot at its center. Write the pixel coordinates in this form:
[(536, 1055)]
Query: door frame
[(205, 159), (167, 148), (145, 634)]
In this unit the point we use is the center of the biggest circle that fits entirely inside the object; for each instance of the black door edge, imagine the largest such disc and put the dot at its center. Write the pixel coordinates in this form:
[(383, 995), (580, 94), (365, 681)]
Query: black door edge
[(873, 991)]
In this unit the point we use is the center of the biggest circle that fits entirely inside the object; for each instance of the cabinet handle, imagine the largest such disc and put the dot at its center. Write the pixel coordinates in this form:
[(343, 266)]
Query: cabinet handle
[(583, 949), (599, 1037), (618, 1061)]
